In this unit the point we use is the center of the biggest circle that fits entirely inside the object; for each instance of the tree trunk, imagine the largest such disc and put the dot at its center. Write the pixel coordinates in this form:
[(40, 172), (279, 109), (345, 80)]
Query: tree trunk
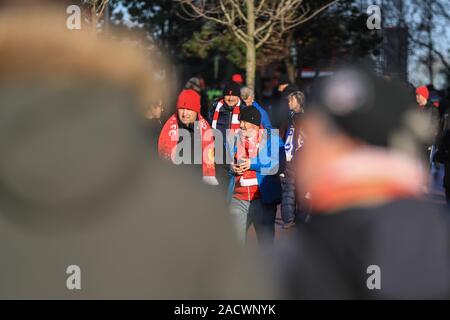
[(290, 67), (430, 63), (289, 60), (250, 63), (94, 19), (299, 65), (429, 31), (107, 15)]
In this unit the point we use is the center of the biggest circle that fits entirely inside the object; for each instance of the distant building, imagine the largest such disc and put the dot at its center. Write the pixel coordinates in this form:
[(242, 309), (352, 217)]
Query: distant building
[(395, 52)]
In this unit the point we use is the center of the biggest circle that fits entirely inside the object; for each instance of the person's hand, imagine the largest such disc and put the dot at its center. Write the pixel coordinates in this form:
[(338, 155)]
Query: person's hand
[(236, 169), (245, 166)]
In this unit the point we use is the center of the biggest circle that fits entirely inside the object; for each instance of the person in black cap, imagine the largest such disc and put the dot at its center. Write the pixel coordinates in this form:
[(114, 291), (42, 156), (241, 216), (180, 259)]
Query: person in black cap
[(254, 187), (280, 108), (223, 116), (371, 234)]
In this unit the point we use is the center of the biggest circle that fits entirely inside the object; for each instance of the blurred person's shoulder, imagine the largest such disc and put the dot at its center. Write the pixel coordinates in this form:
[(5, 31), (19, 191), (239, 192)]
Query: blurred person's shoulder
[(406, 240), (397, 220)]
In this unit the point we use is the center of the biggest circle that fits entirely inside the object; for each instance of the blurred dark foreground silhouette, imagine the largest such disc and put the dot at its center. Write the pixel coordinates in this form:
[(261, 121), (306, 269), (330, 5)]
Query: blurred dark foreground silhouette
[(79, 185), (371, 234)]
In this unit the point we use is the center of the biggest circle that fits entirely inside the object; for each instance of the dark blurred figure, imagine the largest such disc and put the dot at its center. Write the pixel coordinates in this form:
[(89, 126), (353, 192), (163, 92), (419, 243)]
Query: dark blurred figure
[(280, 106), (283, 83), (198, 84), (368, 209), (434, 97), (78, 187), (153, 116), (267, 94), (443, 143), (279, 110)]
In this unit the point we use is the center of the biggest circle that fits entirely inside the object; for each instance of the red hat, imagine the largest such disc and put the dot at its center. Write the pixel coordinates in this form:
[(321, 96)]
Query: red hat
[(189, 99), (237, 78), (423, 91)]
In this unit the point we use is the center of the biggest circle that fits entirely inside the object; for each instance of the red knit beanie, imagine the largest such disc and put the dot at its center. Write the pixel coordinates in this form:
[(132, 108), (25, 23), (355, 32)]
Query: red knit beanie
[(237, 78), (423, 91), (189, 99)]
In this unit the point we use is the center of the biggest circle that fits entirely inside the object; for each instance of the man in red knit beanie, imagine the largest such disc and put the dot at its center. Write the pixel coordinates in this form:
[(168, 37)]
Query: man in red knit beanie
[(186, 137), (432, 112), (422, 95)]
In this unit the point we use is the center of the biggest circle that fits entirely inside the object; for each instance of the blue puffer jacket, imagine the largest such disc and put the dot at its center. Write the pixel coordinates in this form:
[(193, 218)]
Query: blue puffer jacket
[(268, 164), (265, 120)]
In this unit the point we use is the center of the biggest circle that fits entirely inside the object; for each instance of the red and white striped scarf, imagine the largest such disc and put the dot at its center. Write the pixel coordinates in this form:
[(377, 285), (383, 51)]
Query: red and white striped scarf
[(234, 116), (248, 149), (368, 175), (168, 140)]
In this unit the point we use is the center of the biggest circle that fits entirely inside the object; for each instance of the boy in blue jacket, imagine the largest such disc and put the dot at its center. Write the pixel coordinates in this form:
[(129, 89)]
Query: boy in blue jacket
[(255, 189)]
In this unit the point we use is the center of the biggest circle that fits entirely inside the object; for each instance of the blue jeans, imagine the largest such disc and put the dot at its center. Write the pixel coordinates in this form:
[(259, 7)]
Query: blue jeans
[(262, 216)]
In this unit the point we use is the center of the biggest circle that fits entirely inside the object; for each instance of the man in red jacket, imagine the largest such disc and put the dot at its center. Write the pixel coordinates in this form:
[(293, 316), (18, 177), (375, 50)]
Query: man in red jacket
[(184, 133)]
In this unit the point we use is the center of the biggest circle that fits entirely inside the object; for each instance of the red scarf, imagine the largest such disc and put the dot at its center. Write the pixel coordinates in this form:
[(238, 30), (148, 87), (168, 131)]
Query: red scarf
[(246, 186), (371, 175), (248, 148), (168, 140), (234, 116)]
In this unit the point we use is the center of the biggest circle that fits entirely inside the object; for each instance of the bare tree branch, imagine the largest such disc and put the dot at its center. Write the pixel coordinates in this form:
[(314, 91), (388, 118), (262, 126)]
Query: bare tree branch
[(262, 25), (315, 13), (436, 52), (103, 6), (236, 5), (442, 10)]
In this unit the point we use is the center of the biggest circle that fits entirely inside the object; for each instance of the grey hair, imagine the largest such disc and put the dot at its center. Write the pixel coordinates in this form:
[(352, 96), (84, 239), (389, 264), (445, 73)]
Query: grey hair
[(246, 92), (299, 96), (194, 84)]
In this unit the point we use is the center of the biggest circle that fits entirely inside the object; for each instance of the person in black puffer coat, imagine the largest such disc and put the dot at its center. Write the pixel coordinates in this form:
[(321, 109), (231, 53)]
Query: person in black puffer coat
[(293, 210)]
